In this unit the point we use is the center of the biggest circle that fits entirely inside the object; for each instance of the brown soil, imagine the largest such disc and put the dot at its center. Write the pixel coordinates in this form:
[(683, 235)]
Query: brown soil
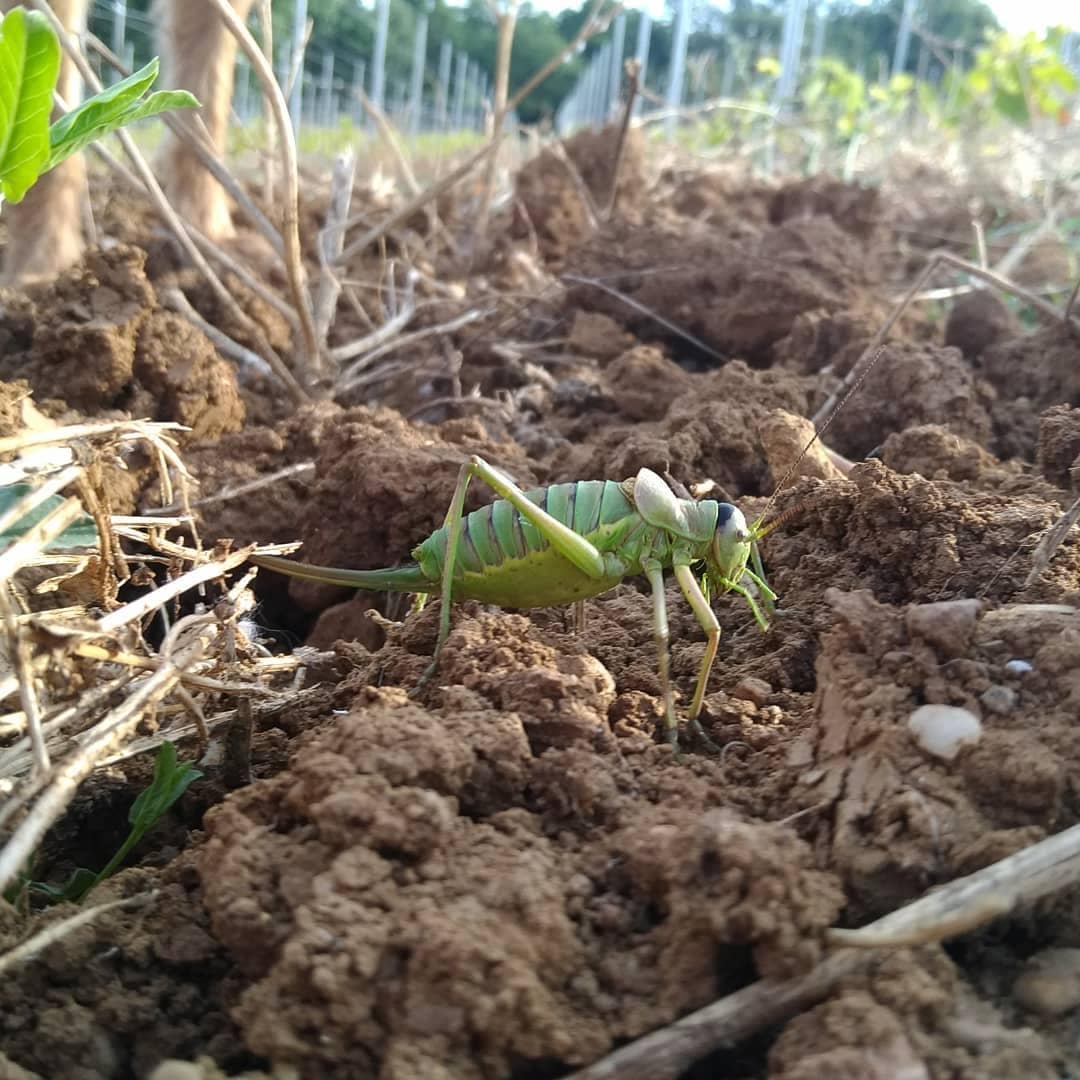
[(508, 874)]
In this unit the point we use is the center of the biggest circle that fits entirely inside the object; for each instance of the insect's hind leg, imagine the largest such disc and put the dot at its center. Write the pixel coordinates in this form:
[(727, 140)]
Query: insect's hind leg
[(561, 537), (452, 522)]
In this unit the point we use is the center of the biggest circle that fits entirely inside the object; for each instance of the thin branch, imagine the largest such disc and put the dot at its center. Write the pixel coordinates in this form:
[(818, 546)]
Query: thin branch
[(266, 22), (192, 131), (384, 333), (1051, 541), (174, 299), (591, 25), (505, 21), (351, 379), (111, 733), (630, 302), (57, 931), (23, 665), (332, 240), (872, 351)]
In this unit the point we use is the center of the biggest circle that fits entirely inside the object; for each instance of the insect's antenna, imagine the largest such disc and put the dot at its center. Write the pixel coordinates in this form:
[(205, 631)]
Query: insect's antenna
[(789, 514), (818, 434)]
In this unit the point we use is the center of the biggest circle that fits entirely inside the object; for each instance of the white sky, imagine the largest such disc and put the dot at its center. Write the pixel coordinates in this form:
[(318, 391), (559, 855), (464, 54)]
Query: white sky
[(1015, 15)]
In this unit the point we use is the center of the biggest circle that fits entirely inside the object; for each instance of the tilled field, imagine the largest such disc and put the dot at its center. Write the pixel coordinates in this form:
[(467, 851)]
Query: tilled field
[(510, 875)]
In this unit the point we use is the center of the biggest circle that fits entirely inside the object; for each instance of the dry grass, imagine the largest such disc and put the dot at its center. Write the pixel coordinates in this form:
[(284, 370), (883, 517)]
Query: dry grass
[(81, 682)]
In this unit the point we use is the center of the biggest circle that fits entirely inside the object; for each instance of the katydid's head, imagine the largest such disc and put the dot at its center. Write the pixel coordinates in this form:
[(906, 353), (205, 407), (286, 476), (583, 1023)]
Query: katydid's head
[(730, 549), (734, 563)]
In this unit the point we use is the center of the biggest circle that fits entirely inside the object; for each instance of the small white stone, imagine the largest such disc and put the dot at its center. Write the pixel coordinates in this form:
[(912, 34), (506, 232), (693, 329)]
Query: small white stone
[(1018, 667), (942, 730)]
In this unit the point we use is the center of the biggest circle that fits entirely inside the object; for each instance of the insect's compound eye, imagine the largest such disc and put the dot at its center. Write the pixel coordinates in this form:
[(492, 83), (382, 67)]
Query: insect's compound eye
[(731, 524)]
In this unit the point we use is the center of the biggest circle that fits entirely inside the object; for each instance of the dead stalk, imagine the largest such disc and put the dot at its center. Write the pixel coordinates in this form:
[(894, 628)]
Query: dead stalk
[(192, 131), (963, 905), (24, 670), (174, 299), (1071, 305), (216, 253), (505, 21), (630, 302), (290, 471), (353, 379), (1049, 544), (109, 734), (581, 189), (266, 24), (331, 241), (294, 264), (872, 352), (633, 79), (377, 338)]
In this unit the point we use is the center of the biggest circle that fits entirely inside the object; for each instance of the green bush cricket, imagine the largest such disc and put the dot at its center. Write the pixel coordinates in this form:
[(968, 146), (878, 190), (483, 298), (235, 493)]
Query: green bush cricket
[(565, 543)]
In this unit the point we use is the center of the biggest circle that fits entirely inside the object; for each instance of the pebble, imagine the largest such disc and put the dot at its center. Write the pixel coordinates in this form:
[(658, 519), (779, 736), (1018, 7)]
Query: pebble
[(943, 730), (751, 689), (1018, 667), (999, 699), (1050, 982)]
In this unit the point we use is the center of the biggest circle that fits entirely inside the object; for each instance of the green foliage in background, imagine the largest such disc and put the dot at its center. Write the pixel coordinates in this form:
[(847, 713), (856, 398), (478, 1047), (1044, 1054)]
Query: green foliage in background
[(1018, 78)]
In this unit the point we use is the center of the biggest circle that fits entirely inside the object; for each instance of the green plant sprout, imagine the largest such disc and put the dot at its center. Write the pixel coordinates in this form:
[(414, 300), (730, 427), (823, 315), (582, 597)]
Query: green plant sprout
[(171, 780), (29, 68)]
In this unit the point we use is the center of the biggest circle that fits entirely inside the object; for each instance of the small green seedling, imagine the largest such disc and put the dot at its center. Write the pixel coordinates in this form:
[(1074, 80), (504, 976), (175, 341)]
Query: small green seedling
[(29, 67), (171, 780)]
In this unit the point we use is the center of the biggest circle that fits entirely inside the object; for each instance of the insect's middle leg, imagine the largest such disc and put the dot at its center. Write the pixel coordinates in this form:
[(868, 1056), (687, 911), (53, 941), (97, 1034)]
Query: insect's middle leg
[(652, 569), (711, 625)]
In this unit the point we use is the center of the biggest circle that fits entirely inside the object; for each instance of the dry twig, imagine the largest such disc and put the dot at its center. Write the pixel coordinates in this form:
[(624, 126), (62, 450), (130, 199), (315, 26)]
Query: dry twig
[(961, 906), (56, 931)]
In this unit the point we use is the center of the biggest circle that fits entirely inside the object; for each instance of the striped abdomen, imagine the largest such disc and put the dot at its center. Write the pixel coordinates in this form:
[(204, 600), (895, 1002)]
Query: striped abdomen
[(503, 558)]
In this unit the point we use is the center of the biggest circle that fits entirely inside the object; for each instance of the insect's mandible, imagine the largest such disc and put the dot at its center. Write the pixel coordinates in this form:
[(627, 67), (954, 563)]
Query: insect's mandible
[(567, 542)]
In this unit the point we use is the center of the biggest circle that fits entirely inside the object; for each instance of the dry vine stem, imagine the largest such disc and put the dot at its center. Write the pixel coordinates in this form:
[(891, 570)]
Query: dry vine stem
[(56, 931), (958, 907), (290, 225), (57, 744)]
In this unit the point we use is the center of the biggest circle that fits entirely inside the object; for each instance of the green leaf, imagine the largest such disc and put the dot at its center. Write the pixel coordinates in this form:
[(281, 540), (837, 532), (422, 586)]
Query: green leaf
[(113, 108), (82, 533), (170, 781), (29, 66), (75, 888)]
